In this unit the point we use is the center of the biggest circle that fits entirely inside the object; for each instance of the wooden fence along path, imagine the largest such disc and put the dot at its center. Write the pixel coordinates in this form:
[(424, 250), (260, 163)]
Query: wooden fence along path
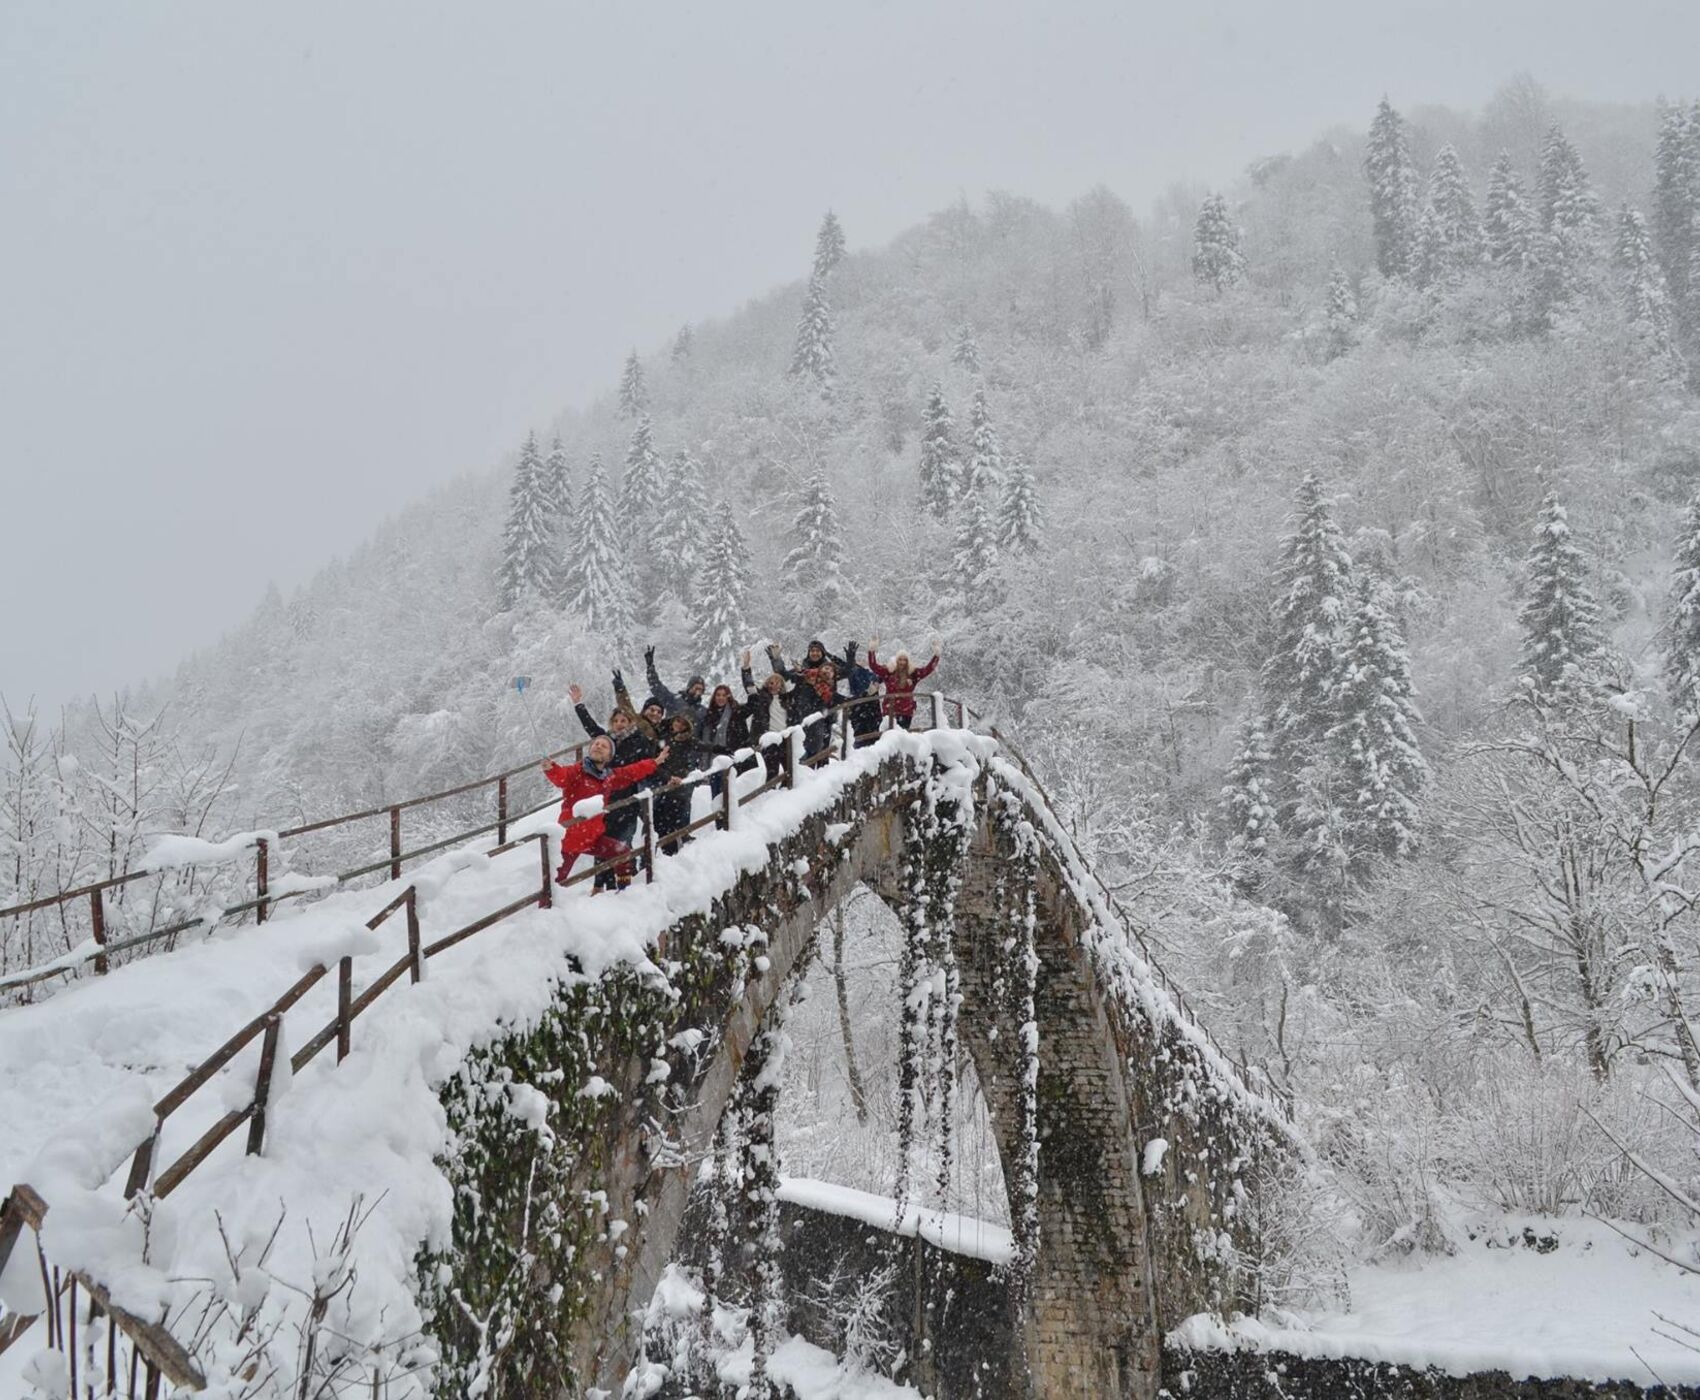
[(148, 1355)]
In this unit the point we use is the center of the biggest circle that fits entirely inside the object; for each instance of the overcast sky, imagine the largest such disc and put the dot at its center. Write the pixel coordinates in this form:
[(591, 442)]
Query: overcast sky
[(268, 271)]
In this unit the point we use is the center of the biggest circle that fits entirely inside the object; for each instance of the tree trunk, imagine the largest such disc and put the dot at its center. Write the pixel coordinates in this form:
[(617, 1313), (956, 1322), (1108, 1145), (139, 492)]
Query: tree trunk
[(858, 1095)]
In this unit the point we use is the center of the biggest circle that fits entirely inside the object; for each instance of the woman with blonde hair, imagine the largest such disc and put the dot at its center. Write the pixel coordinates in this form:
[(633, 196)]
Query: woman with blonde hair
[(900, 680)]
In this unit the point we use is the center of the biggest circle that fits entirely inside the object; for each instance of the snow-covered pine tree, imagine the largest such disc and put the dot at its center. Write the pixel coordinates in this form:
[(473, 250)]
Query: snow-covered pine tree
[(1645, 300), (683, 343), (941, 469), (1676, 198), (1509, 225), (1248, 801), (812, 358), (829, 246), (965, 354), (1682, 624), (1428, 264), (1020, 517), (1562, 637), (985, 456), (1341, 314), (718, 626), (1216, 257), (1453, 228), (1310, 613), (813, 570), (559, 482), (1569, 216), (596, 562), (528, 540), (974, 559), (681, 527), (1374, 738), (1392, 192), (634, 393), (641, 491)]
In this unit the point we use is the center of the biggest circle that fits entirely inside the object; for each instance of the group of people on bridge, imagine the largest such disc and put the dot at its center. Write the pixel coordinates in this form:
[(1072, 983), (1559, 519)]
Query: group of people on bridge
[(676, 734)]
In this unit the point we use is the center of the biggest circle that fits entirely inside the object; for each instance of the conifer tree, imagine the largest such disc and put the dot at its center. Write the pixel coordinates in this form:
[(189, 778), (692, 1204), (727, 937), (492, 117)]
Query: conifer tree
[(1682, 625), (1392, 192), (812, 571), (684, 343), (1020, 518), (718, 625), (1645, 300), (1216, 258), (641, 490), (634, 395), (1374, 736), (596, 580), (528, 562), (1509, 225), (974, 560), (558, 482), (1341, 314), (681, 526), (941, 470), (966, 353), (1562, 638), (1248, 800), (1310, 613), (1676, 199), (1428, 267), (1569, 219), (985, 457), (829, 246), (1454, 232), (812, 358)]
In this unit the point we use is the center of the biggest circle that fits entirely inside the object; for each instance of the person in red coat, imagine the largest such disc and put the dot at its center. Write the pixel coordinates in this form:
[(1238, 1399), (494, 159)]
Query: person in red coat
[(900, 680), (594, 776)]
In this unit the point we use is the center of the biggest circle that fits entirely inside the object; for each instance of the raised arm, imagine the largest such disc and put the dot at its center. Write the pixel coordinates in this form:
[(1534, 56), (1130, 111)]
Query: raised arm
[(879, 671), (923, 672), (669, 700)]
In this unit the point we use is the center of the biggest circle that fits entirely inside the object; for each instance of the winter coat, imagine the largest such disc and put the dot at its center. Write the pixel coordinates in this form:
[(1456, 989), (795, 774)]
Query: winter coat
[(725, 728), (585, 779), (675, 702), (634, 745), (813, 679), (864, 718), (623, 701), (758, 709), (900, 690)]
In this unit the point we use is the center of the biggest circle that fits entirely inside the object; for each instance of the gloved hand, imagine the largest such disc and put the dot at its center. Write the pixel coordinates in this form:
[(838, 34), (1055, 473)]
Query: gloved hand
[(850, 652), (649, 657), (619, 679)]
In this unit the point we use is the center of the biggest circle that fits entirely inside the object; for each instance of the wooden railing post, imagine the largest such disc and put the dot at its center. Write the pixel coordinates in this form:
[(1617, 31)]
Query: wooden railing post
[(141, 1165), (961, 716), (344, 996), (844, 732), (546, 895), (937, 724), (728, 799), (646, 815), (416, 965), (262, 878), (97, 917), (263, 1085), (395, 843), (502, 812), (788, 760)]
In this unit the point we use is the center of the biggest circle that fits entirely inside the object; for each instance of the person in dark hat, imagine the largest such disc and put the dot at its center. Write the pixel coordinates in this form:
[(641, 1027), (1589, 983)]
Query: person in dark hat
[(691, 702)]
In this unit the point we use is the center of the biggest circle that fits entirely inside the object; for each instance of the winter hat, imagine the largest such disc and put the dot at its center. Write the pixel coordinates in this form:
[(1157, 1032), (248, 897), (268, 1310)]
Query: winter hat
[(817, 642), (653, 701), (696, 681)]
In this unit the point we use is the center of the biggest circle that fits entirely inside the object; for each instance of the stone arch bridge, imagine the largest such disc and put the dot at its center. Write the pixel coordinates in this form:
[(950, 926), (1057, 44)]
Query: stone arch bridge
[(1132, 1145)]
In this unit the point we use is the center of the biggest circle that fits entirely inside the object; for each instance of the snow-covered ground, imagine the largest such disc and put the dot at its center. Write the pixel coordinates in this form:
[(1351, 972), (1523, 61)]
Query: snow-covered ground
[(1590, 1308)]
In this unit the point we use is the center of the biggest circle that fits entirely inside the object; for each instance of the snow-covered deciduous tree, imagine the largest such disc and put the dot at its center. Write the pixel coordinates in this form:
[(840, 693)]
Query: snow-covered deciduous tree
[(528, 540), (974, 558), (941, 467), (1563, 643), (1646, 301), (1374, 736), (812, 359), (634, 393), (1217, 261), (1392, 192), (1312, 606), (1682, 621), (1569, 225), (985, 456), (829, 246), (596, 561), (813, 570), (1341, 313), (718, 626), (965, 354), (681, 526), (1020, 517), (1509, 224), (1450, 241)]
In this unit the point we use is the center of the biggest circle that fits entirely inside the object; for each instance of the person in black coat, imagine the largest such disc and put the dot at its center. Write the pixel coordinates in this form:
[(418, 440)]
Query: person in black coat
[(690, 702), (864, 718), (816, 684), (771, 707), (724, 728), (686, 754)]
